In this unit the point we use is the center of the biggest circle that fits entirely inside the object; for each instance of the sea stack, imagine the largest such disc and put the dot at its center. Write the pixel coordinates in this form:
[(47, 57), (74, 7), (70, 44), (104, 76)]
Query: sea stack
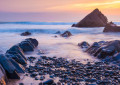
[(94, 19)]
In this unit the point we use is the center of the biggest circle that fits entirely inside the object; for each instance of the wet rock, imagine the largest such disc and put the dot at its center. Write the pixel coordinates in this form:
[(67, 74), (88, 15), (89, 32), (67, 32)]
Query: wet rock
[(33, 41), (84, 45), (21, 83), (104, 50), (94, 19), (17, 49), (25, 33), (19, 68), (111, 27), (66, 34), (8, 67), (58, 32), (17, 57), (26, 46), (48, 82)]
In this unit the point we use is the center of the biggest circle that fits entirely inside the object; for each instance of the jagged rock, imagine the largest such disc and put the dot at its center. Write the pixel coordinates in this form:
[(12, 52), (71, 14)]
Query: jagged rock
[(25, 33), (16, 56), (8, 67), (66, 34), (111, 27), (33, 41), (3, 77), (19, 68), (17, 49), (26, 46), (94, 19), (104, 49)]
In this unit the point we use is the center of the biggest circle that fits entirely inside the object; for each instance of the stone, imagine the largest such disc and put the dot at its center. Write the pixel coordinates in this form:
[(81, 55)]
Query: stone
[(8, 67), (17, 57), (66, 34), (26, 46), (94, 19), (111, 27), (25, 33), (33, 41), (17, 49), (48, 82), (58, 32), (19, 68)]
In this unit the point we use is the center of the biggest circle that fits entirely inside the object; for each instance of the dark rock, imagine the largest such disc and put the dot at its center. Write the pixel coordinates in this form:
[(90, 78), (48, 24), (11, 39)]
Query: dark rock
[(19, 68), (84, 44), (94, 19), (25, 33), (104, 50), (66, 34), (8, 67), (17, 49), (48, 82), (16, 56), (58, 32), (111, 27), (33, 41), (26, 46)]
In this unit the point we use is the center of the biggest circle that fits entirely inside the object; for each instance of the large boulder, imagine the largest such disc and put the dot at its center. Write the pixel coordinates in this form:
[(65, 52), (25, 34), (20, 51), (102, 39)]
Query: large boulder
[(66, 34), (33, 41), (17, 49), (26, 46), (8, 67), (19, 68), (94, 19), (104, 49), (17, 57), (111, 27)]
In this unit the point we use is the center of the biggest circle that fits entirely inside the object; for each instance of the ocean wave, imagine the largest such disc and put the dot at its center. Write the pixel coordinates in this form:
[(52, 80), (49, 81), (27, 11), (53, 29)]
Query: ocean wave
[(39, 23)]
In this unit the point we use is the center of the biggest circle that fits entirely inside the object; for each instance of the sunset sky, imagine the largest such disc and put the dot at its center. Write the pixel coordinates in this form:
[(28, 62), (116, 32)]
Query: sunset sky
[(56, 10)]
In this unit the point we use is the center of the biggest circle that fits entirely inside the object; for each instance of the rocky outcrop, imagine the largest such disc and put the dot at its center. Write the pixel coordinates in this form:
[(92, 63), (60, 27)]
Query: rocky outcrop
[(108, 50), (9, 67), (111, 27), (66, 34), (14, 60), (25, 33), (94, 19)]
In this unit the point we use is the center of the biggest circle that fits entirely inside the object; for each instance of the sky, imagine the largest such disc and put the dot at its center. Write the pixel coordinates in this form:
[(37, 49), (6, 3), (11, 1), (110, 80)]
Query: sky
[(56, 10)]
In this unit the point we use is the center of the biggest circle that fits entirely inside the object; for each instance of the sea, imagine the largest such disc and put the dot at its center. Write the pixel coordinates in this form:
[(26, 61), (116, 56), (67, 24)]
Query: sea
[(58, 46)]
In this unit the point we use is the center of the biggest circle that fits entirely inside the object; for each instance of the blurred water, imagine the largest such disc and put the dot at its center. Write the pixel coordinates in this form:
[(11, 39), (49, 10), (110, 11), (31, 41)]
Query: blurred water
[(60, 47)]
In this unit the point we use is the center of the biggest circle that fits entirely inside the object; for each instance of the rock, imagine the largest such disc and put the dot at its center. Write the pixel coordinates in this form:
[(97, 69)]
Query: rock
[(33, 41), (3, 77), (94, 19), (16, 56), (84, 45), (26, 46), (17, 49), (19, 68), (25, 33), (111, 27), (58, 32), (48, 82), (8, 67), (104, 49), (66, 34)]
